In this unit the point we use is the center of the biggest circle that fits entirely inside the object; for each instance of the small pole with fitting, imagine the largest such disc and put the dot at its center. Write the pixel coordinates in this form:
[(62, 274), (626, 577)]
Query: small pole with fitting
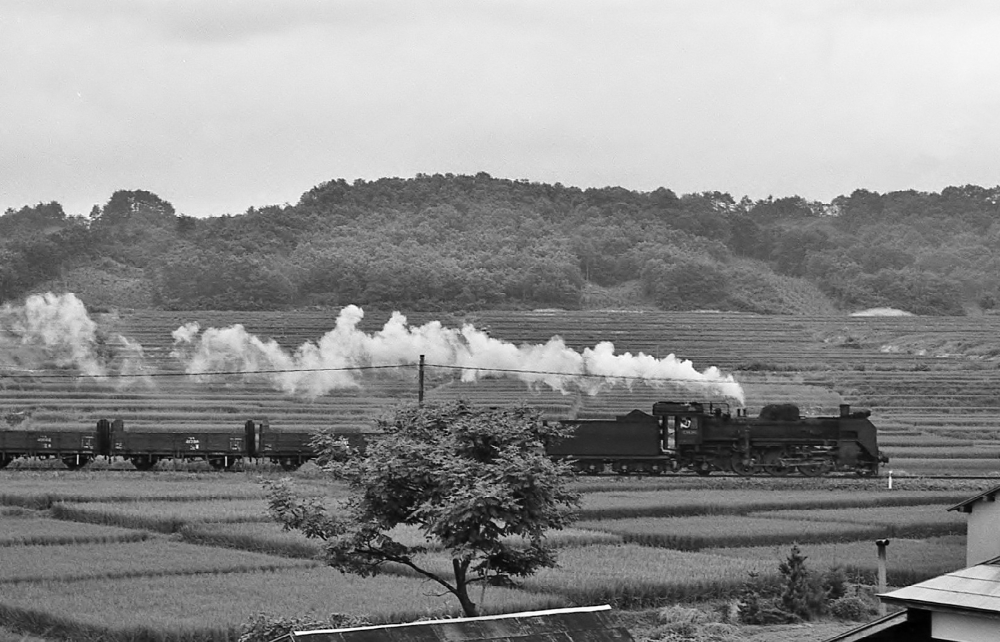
[(882, 544), (420, 388), (890, 480)]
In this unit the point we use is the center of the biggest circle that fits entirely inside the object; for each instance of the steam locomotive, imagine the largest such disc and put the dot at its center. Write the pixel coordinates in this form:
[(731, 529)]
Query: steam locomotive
[(707, 437), (676, 436)]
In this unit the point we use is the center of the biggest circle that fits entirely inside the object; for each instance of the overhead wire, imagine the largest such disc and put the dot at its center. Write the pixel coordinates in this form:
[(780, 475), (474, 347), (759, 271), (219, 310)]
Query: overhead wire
[(47, 374)]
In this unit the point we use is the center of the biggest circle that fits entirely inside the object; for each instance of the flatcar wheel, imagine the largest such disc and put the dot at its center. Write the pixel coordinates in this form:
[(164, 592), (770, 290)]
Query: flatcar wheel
[(143, 462), (221, 463), (289, 463), (703, 468), (74, 462)]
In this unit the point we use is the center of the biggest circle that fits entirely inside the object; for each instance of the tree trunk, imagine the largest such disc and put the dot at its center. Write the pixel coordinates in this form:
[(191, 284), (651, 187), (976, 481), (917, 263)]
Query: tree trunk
[(462, 588)]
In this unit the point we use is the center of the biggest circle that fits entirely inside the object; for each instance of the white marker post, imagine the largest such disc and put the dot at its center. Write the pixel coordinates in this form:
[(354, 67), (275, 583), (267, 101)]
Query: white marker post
[(890, 480)]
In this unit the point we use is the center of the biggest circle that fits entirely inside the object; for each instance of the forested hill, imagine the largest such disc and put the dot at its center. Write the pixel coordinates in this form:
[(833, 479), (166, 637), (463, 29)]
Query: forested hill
[(463, 242)]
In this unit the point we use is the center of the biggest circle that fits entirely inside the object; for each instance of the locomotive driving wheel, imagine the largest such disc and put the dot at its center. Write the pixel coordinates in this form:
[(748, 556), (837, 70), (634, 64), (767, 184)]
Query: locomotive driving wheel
[(814, 469), (778, 469), (743, 465), (774, 464)]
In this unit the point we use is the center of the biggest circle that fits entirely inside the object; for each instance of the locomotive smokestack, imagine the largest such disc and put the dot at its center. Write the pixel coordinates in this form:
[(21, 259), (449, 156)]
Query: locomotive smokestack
[(845, 410)]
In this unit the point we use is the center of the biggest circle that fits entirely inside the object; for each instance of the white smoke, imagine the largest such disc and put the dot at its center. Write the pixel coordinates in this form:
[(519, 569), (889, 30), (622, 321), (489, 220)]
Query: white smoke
[(49, 330), (317, 368), (55, 331)]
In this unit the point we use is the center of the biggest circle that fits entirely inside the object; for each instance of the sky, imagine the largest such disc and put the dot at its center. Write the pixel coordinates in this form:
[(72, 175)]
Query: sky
[(217, 105)]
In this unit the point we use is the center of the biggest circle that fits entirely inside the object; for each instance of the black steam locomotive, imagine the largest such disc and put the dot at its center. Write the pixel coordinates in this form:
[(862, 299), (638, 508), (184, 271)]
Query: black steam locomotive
[(675, 437), (707, 437)]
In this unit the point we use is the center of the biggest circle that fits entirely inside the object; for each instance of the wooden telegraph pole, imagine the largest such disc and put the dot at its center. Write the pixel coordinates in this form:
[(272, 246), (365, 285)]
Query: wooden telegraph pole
[(420, 385)]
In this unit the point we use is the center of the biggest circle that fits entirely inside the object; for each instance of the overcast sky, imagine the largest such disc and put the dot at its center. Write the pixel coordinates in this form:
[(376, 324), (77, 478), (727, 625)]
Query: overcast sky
[(217, 106)]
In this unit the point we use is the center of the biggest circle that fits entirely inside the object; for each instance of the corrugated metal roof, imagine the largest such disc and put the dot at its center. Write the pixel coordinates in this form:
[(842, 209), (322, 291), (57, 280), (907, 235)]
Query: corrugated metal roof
[(584, 624), (976, 588), (966, 506), (866, 631)]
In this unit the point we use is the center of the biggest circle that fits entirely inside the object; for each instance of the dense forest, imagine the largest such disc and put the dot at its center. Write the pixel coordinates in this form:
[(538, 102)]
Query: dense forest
[(447, 242)]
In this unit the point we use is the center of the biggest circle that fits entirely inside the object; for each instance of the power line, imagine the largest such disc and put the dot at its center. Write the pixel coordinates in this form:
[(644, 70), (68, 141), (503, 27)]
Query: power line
[(46, 374), (592, 375)]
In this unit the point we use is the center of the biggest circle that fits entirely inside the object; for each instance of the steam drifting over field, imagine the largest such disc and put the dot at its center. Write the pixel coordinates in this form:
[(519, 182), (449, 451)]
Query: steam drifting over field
[(317, 368), (54, 331)]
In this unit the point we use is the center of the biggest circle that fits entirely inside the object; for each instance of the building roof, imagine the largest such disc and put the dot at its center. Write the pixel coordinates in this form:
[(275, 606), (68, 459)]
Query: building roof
[(884, 626), (974, 589), (585, 624), (987, 496)]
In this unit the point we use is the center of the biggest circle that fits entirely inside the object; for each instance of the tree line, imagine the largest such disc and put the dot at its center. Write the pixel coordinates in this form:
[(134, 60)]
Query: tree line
[(466, 242)]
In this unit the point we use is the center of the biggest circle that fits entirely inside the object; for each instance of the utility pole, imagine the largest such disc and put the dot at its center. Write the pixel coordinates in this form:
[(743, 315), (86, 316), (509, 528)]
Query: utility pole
[(420, 388), (881, 544)]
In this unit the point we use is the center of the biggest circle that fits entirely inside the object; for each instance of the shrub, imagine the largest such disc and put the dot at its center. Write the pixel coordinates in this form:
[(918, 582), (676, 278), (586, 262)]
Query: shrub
[(678, 614), (759, 604), (853, 608), (803, 594), (264, 628), (835, 582)]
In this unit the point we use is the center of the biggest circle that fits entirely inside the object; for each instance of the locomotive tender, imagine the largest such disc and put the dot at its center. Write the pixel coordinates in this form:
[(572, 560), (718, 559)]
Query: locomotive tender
[(675, 437)]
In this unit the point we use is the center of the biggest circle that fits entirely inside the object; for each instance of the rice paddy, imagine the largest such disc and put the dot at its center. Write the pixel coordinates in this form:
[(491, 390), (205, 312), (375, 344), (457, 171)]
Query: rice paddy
[(114, 554)]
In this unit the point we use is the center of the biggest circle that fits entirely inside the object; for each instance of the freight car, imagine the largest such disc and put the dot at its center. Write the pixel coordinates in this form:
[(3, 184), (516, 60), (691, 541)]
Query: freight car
[(707, 437), (676, 436), (144, 447)]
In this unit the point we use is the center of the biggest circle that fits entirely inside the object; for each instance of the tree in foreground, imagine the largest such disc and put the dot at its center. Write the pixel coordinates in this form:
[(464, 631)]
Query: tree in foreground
[(475, 481)]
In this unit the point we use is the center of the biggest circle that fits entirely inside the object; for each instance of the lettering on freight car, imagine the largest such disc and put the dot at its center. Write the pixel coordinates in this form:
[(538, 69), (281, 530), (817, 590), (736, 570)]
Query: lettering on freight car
[(192, 443), (236, 443)]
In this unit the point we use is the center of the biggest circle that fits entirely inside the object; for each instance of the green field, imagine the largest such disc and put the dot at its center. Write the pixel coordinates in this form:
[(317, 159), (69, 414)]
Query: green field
[(102, 571), (110, 553)]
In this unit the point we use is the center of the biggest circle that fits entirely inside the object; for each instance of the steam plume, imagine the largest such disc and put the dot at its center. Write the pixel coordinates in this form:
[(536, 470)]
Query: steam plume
[(553, 363), (49, 330), (55, 331)]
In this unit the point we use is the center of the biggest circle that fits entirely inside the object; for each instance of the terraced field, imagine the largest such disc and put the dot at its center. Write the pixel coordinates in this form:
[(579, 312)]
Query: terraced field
[(171, 556), (932, 383)]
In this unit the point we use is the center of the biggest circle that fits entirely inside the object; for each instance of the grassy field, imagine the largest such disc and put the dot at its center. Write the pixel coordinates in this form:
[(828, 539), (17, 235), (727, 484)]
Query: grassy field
[(113, 554), (108, 570)]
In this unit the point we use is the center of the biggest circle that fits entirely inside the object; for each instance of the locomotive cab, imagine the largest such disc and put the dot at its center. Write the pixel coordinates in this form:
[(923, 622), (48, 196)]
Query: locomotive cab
[(687, 427)]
